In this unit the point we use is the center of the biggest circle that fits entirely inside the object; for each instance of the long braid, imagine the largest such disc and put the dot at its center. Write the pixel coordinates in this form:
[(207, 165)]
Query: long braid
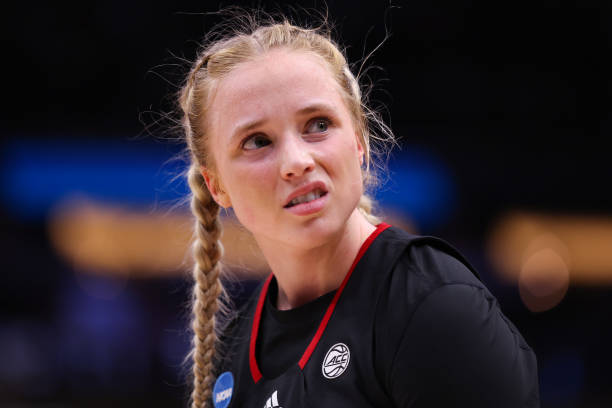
[(207, 251)]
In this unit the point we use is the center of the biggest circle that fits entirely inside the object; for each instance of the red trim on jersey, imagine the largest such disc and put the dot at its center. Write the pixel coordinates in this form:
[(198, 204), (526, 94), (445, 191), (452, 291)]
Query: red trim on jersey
[(330, 309), (255, 373)]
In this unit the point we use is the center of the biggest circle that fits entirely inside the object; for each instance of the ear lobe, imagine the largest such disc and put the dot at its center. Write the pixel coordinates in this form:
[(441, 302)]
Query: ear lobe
[(218, 194)]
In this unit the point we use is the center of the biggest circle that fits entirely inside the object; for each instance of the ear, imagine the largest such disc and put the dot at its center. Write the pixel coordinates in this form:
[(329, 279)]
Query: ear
[(215, 188), (360, 149)]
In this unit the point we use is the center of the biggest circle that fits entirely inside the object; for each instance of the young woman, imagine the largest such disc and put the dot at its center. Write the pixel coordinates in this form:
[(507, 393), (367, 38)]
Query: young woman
[(356, 313)]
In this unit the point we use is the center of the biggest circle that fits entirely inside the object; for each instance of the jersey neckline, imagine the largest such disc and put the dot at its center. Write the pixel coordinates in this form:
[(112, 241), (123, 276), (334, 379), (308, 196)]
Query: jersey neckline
[(255, 372), (298, 315)]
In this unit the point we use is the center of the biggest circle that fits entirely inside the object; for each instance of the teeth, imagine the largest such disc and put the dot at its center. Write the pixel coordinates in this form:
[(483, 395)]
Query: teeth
[(313, 195)]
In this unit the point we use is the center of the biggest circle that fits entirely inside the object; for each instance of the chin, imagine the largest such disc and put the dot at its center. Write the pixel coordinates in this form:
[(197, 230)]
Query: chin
[(319, 231)]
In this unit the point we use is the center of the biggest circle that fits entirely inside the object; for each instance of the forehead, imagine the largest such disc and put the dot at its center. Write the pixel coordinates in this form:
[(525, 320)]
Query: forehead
[(277, 82)]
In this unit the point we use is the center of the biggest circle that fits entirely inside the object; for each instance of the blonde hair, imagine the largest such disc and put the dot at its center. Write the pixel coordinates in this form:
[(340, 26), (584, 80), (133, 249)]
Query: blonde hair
[(214, 62)]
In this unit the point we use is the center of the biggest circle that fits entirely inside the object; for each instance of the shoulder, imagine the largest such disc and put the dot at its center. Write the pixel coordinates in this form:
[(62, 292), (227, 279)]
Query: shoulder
[(423, 267), (459, 342), (435, 254), (444, 330), (423, 264), (430, 277)]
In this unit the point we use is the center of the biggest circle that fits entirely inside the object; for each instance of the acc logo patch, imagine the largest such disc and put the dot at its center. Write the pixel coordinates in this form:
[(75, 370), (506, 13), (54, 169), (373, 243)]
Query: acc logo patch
[(223, 389), (336, 360)]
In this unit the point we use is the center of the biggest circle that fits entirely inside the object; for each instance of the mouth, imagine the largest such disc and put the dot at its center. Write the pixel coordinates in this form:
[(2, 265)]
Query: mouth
[(307, 197)]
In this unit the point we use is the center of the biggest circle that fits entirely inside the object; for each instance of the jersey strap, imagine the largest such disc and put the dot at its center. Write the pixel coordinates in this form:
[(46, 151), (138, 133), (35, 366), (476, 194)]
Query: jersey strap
[(255, 372)]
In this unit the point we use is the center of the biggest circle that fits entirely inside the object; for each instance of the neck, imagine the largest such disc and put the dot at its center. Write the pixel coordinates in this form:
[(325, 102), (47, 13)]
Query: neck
[(304, 274)]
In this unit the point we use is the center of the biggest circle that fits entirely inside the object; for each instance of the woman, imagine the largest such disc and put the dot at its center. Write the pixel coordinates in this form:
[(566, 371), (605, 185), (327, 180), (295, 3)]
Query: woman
[(356, 313)]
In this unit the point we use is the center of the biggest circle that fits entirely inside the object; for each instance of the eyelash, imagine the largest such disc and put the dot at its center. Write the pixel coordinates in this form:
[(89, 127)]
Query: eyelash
[(253, 137), (311, 122)]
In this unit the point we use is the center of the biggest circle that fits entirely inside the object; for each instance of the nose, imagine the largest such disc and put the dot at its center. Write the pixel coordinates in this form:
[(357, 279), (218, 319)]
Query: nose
[(295, 158)]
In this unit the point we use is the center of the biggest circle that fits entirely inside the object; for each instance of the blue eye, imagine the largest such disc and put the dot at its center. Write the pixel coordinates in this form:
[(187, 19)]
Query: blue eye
[(256, 141), (318, 125)]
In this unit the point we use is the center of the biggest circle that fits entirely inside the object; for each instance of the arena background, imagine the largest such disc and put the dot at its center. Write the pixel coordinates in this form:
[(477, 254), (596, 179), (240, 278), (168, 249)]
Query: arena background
[(503, 113)]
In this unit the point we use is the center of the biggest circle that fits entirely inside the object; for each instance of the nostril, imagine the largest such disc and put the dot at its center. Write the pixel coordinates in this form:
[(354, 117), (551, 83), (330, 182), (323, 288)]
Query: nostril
[(295, 162)]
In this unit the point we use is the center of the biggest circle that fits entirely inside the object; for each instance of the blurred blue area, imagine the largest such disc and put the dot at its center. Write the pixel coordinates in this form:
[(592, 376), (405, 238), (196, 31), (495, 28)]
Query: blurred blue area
[(36, 175), (420, 187), (106, 316)]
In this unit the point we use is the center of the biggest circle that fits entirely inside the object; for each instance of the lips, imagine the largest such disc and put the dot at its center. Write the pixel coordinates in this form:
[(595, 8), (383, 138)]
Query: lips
[(306, 194)]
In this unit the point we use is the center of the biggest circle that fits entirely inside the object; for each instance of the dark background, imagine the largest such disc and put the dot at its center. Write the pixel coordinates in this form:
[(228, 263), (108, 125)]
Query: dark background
[(510, 99)]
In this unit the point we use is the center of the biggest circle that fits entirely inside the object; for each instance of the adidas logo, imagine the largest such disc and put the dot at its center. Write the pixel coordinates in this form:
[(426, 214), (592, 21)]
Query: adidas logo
[(272, 402)]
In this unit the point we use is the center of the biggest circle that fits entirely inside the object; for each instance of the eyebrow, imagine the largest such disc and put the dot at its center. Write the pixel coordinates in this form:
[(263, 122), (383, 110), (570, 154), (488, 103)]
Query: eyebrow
[(315, 107), (246, 127)]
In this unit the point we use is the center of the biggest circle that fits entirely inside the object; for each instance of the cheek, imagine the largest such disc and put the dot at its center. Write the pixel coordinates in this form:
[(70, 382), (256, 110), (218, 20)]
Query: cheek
[(251, 187), (352, 175), (345, 157)]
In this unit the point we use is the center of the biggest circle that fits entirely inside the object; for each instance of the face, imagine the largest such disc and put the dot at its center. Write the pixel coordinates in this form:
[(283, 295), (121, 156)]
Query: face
[(286, 154)]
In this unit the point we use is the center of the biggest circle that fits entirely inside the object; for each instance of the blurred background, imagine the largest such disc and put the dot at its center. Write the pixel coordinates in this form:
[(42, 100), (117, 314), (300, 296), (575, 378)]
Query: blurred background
[(503, 113)]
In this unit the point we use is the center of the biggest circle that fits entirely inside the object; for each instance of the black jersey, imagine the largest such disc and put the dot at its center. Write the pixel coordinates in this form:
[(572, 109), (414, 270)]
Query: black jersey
[(411, 325)]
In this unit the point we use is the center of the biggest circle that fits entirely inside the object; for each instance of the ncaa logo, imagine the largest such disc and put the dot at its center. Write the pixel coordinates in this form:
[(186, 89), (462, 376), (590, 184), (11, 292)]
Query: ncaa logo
[(336, 360), (223, 390)]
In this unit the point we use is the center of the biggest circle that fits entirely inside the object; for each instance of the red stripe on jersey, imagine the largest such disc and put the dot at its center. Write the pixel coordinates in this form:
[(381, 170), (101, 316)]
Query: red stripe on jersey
[(330, 309), (255, 373)]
